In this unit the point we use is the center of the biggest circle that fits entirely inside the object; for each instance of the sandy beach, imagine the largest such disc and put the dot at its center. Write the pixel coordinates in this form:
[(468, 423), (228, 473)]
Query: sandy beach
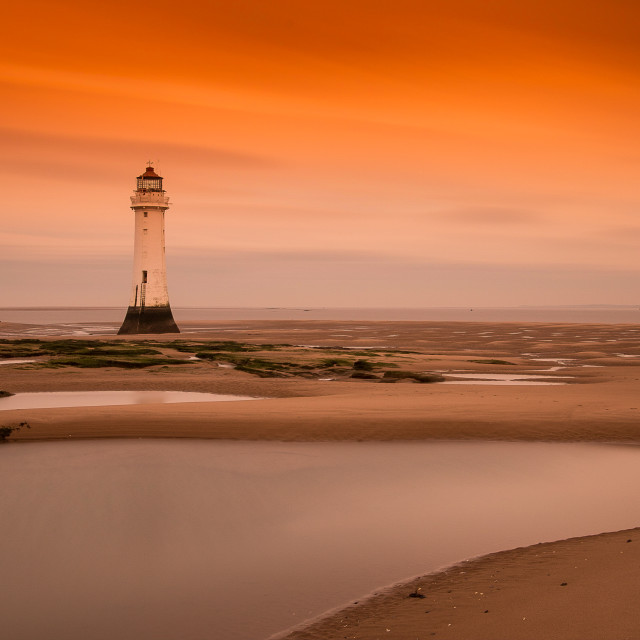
[(580, 588)]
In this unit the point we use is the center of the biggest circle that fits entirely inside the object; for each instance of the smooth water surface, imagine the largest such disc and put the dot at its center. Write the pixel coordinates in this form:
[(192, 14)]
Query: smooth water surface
[(52, 399), (72, 316), (527, 379), (199, 540)]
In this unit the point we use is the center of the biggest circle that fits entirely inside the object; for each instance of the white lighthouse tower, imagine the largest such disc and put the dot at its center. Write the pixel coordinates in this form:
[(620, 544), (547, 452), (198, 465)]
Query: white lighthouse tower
[(149, 310)]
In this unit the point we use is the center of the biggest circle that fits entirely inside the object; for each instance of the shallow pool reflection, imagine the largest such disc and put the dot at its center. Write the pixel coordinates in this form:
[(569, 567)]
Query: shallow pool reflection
[(529, 379), (158, 540), (54, 399)]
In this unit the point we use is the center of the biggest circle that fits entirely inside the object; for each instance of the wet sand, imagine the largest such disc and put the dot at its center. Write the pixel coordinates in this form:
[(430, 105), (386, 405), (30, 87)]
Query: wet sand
[(578, 589), (599, 403)]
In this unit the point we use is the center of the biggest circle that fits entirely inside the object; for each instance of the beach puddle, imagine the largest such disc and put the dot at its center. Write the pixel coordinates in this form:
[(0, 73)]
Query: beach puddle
[(108, 398), (503, 379), (561, 361), (15, 361)]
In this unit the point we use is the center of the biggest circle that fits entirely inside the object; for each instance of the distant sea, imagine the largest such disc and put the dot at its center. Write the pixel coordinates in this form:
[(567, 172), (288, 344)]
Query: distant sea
[(582, 314)]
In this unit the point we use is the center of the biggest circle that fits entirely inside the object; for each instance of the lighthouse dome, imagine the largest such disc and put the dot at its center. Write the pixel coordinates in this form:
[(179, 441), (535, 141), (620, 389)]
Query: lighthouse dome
[(150, 173)]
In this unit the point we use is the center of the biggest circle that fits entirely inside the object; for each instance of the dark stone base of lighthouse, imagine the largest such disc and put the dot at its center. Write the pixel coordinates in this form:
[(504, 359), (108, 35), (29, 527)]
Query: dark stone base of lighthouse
[(149, 320)]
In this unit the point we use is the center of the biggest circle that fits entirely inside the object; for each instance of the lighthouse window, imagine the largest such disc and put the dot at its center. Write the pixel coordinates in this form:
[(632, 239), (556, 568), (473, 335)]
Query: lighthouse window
[(144, 277), (145, 231), (145, 214)]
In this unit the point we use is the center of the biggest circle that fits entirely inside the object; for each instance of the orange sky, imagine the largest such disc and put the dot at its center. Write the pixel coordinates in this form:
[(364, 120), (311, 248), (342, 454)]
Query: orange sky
[(380, 153)]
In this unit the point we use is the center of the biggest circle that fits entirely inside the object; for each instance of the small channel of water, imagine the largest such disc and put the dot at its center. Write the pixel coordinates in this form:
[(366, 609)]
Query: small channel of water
[(199, 540), (528, 379)]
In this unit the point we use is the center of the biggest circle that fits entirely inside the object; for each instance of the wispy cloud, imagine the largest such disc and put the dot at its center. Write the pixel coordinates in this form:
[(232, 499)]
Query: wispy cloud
[(96, 159), (482, 216)]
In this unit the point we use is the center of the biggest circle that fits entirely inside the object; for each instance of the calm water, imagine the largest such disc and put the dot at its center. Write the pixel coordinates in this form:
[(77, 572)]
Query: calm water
[(502, 379), (109, 315), (205, 540), (46, 400)]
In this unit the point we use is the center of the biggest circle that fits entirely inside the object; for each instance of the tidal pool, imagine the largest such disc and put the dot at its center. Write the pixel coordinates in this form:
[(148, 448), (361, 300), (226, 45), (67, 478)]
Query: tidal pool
[(502, 379), (49, 400), (199, 540)]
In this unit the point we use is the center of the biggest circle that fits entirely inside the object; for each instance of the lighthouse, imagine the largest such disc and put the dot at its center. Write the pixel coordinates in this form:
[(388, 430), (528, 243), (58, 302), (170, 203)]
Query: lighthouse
[(149, 310)]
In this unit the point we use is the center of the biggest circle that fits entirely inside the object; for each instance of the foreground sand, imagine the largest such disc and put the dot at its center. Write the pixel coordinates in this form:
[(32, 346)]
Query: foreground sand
[(507, 596), (577, 589)]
